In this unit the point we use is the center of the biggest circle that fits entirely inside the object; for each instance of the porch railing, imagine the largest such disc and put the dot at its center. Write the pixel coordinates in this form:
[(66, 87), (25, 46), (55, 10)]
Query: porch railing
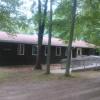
[(83, 62)]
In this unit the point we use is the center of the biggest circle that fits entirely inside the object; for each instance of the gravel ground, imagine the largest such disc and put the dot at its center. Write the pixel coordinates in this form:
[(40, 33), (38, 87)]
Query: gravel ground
[(86, 86)]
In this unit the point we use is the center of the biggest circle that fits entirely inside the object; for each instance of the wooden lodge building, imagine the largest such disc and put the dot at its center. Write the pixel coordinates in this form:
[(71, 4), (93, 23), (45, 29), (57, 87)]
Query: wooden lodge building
[(21, 49)]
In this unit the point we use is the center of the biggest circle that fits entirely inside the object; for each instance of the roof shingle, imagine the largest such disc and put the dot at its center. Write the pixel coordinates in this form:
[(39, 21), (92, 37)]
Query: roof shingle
[(33, 39)]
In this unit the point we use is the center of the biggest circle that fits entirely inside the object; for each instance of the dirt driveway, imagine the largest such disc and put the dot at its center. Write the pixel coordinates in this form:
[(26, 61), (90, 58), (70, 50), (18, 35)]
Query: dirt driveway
[(24, 84)]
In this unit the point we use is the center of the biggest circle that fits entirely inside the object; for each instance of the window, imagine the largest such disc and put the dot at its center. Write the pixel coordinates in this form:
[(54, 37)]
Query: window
[(58, 51), (20, 49), (46, 50), (34, 50)]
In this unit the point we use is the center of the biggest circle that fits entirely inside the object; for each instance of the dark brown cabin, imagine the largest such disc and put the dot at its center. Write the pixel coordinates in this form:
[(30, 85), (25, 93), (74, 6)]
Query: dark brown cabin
[(21, 49)]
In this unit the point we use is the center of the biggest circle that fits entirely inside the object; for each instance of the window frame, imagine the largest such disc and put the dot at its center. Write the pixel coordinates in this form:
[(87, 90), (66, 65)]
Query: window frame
[(32, 49), (59, 48), (21, 49)]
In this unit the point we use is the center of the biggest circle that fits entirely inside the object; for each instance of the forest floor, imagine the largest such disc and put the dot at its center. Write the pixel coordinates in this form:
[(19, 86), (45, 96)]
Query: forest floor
[(22, 83)]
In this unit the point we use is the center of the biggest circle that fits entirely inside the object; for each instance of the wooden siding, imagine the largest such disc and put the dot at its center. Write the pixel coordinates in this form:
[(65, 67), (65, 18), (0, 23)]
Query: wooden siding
[(9, 56)]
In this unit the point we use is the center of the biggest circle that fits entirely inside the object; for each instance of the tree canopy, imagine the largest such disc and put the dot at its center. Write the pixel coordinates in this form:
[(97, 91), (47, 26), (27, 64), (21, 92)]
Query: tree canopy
[(11, 17), (87, 20), (91, 20)]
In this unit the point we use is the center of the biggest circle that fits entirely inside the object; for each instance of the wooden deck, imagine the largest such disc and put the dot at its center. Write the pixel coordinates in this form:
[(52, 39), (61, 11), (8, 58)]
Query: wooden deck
[(79, 63)]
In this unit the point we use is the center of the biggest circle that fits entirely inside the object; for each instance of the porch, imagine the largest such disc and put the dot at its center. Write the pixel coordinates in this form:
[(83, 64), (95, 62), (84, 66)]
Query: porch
[(77, 64)]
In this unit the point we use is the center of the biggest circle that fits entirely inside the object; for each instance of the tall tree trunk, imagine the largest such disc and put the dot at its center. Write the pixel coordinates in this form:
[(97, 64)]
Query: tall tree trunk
[(67, 73), (39, 38), (40, 33), (49, 39)]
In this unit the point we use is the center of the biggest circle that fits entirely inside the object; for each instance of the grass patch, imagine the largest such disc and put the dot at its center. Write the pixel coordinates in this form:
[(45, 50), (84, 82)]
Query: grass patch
[(3, 75), (38, 76), (35, 76)]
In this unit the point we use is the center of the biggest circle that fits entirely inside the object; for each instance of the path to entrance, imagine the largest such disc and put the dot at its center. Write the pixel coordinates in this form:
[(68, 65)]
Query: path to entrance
[(84, 87)]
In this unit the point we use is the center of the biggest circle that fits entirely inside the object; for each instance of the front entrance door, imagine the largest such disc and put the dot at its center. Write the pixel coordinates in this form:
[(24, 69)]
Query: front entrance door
[(79, 51)]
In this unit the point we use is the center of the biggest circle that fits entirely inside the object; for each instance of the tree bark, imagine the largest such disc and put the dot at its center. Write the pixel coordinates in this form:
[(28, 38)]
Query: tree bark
[(49, 39), (67, 73), (40, 33)]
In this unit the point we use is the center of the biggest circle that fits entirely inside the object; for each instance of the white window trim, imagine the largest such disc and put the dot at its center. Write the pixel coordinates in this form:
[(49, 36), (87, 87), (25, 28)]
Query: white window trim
[(45, 53), (32, 50), (20, 46), (60, 51)]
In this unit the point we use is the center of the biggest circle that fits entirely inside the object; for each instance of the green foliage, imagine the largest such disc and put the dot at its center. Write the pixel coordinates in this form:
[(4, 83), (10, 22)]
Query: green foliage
[(87, 20), (91, 19), (11, 18), (62, 19)]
